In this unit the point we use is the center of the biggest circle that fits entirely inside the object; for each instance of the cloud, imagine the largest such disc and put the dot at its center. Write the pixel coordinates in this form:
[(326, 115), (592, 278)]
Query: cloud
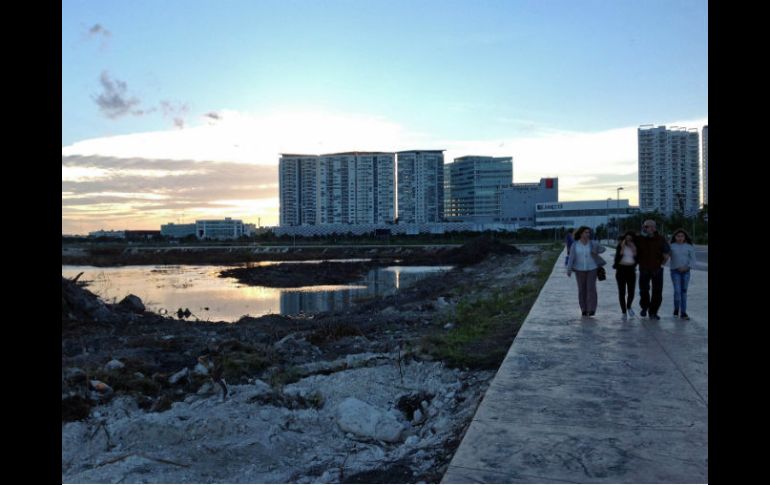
[(175, 110), (236, 158), (105, 192), (114, 101), (244, 138), (98, 30), (101, 33)]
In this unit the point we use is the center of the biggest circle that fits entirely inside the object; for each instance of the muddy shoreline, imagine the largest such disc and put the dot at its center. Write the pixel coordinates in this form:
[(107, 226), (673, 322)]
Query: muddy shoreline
[(295, 275)]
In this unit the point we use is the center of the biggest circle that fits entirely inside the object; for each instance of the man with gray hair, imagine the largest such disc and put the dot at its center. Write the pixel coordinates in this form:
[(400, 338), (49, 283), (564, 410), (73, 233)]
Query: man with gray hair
[(652, 252)]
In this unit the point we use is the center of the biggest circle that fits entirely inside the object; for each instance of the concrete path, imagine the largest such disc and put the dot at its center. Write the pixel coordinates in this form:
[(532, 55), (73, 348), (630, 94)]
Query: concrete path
[(595, 400)]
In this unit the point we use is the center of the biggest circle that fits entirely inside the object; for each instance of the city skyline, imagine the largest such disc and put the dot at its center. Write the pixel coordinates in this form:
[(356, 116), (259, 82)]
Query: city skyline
[(182, 112)]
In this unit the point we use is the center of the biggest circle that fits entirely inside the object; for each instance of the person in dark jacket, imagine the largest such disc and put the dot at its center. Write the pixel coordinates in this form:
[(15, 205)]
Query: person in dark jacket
[(652, 252), (625, 272)]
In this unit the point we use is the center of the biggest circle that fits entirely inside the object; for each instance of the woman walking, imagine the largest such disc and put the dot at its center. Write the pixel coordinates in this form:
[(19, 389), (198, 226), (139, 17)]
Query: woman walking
[(625, 272), (682, 260), (584, 260)]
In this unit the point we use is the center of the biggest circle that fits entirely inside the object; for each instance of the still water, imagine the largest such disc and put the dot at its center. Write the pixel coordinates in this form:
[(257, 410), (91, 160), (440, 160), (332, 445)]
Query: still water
[(166, 288)]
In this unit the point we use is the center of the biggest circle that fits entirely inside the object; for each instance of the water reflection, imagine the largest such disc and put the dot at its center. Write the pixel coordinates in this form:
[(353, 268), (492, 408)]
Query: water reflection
[(164, 289)]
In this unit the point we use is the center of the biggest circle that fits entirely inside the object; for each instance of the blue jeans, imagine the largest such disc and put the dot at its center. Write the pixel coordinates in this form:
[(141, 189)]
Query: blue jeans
[(680, 282)]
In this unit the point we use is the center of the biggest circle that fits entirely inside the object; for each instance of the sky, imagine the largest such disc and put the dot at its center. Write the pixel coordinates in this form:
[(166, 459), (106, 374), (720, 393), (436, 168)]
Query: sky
[(178, 110)]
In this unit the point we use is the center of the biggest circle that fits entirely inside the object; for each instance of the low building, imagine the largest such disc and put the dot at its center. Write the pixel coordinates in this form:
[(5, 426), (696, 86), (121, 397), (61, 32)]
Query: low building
[(177, 231), (590, 213), (103, 233), (141, 234), (226, 228), (517, 202)]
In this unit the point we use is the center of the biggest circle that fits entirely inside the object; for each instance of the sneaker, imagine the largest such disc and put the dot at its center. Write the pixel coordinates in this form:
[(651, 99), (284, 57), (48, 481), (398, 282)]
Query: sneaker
[(676, 313), (631, 312), (590, 314), (585, 314), (624, 317), (654, 316), (643, 313), (685, 316)]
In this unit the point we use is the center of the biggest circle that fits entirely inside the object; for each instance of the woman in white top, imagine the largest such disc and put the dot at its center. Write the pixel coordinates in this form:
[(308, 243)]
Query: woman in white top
[(625, 272), (584, 260)]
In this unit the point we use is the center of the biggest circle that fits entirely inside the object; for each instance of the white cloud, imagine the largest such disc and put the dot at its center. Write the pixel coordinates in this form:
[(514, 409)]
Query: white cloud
[(244, 138)]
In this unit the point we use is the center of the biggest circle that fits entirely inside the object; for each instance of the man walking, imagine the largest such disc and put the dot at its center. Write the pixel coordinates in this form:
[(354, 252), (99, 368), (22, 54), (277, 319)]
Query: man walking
[(652, 252)]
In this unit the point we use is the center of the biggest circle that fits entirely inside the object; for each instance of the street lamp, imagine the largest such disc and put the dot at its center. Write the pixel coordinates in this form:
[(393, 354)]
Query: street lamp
[(617, 212), (607, 225)]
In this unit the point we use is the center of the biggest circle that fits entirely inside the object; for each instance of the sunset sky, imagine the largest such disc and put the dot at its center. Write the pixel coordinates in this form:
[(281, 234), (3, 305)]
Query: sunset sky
[(178, 110)]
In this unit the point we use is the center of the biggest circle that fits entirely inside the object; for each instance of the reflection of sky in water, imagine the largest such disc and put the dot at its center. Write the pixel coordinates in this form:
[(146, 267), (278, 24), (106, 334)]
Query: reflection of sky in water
[(209, 297)]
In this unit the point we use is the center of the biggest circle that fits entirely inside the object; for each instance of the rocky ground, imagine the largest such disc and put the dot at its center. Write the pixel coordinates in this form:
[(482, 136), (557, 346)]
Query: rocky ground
[(355, 396)]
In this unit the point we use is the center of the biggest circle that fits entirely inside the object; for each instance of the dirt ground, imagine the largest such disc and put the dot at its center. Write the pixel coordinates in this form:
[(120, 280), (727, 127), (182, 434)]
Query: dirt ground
[(278, 350)]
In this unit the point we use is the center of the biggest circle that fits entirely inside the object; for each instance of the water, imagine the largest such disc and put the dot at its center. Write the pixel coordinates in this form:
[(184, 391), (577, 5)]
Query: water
[(166, 288)]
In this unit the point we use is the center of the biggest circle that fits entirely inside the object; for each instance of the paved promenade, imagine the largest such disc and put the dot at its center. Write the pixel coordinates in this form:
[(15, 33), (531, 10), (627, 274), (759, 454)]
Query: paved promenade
[(595, 400)]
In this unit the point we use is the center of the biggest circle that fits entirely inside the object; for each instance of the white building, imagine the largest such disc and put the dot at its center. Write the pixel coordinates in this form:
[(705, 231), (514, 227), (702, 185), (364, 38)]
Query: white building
[(337, 188), (590, 213), (356, 188), (517, 202), (669, 170), (226, 228), (103, 233), (420, 186), (473, 191)]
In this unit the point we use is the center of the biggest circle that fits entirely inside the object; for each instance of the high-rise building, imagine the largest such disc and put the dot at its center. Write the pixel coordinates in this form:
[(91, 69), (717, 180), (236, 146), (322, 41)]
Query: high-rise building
[(337, 188), (518, 202), (356, 188), (298, 189), (420, 186), (706, 164), (375, 187), (475, 185), (669, 175)]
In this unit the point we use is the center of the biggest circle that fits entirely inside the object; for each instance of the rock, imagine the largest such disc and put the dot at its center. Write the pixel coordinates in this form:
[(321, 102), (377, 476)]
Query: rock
[(418, 417), (262, 387), (179, 375), (449, 326), (200, 369), (132, 303), (361, 419), (81, 303), (206, 388), (73, 373), (100, 386), (114, 364), (412, 440)]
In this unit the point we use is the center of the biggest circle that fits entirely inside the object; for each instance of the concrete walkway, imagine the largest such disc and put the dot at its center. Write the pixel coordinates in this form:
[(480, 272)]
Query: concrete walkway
[(595, 400)]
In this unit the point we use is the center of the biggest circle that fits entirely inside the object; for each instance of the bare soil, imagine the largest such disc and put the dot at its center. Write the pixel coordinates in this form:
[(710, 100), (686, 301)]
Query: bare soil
[(273, 348)]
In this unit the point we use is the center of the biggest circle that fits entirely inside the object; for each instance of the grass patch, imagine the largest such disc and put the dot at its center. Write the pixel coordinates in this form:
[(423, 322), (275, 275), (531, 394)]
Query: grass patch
[(486, 324)]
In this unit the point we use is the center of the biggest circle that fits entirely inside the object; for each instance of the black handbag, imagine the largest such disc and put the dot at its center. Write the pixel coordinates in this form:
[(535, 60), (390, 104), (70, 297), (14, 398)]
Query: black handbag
[(601, 274)]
